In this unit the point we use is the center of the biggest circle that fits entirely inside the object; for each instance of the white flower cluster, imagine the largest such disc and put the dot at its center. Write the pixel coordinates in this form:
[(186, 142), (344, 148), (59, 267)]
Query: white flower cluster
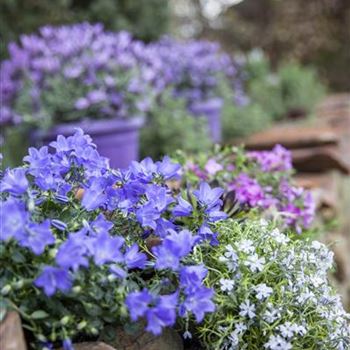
[(273, 292)]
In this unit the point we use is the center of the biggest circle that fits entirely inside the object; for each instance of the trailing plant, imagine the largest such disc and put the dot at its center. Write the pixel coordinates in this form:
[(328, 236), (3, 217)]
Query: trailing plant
[(272, 292)]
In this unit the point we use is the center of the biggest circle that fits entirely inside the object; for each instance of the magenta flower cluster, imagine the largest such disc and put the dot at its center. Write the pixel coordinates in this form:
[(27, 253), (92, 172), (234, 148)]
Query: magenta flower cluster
[(261, 180), (104, 229)]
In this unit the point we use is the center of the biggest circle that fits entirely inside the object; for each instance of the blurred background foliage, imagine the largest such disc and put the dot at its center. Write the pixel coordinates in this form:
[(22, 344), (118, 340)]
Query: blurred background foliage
[(313, 32)]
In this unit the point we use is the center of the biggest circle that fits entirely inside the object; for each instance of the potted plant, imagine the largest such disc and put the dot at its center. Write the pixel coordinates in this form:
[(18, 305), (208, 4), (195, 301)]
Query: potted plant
[(193, 71), (78, 76), (89, 250)]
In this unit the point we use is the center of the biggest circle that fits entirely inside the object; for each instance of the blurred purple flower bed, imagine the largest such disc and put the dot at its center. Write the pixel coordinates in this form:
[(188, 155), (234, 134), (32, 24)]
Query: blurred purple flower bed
[(82, 71)]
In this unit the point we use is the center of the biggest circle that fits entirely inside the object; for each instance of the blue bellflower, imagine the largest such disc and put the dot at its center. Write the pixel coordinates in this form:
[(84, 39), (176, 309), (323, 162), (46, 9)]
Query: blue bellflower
[(137, 303), (14, 181), (72, 255), (134, 259), (53, 279), (13, 219), (207, 196), (105, 248), (199, 302), (37, 237), (163, 314), (167, 169), (174, 247), (183, 208)]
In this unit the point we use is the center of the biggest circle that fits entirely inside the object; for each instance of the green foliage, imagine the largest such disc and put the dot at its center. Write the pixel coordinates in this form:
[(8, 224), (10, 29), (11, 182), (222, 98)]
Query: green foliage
[(171, 127), (238, 121), (147, 20), (290, 91)]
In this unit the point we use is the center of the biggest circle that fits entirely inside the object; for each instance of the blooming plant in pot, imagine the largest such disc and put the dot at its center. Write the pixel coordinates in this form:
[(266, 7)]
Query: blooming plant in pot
[(193, 70), (78, 76), (87, 248)]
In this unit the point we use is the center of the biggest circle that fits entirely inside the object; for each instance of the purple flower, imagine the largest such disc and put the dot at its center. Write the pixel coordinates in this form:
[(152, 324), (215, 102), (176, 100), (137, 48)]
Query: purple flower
[(99, 225), (37, 237), (105, 248), (163, 314), (94, 195), (38, 159), (72, 254), (164, 226), (13, 219), (279, 159), (14, 181), (248, 191), (208, 197), (67, 344), (191, 277), (52, 279), (60, 225), (212, 166), (137, 303), (118, 271), (167, 169), (174, 247), (134, 259), (96, 96), (82, 103), (159, 197), (144, 170), (199, 302), (183, 208), (147, 215), (205, 232)]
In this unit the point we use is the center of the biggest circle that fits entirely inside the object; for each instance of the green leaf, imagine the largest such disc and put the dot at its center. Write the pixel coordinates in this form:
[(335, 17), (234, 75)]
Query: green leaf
[(17, 257), (39, 314)]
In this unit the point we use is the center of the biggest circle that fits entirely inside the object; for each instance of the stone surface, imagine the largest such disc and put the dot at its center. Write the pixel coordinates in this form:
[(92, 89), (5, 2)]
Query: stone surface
[(11, 332), (169, 340), (292, 137), (92, 346), (321, 159)]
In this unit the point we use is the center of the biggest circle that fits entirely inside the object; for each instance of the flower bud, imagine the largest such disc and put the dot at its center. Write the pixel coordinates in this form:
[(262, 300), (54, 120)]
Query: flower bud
[(42, 338), (81, 325), (64, 320), (53, 252), (19, 284), (6, 290), (111, 278), (93, 331), (76, 289), (123, 311)]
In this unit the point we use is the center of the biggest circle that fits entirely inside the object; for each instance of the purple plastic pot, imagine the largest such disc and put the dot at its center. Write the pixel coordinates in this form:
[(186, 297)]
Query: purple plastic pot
[(115, 139), (211, 110)]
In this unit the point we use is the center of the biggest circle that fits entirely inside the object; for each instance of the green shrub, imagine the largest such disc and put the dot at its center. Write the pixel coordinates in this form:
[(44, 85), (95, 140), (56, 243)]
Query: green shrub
[(171, 127), (291, 90)]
